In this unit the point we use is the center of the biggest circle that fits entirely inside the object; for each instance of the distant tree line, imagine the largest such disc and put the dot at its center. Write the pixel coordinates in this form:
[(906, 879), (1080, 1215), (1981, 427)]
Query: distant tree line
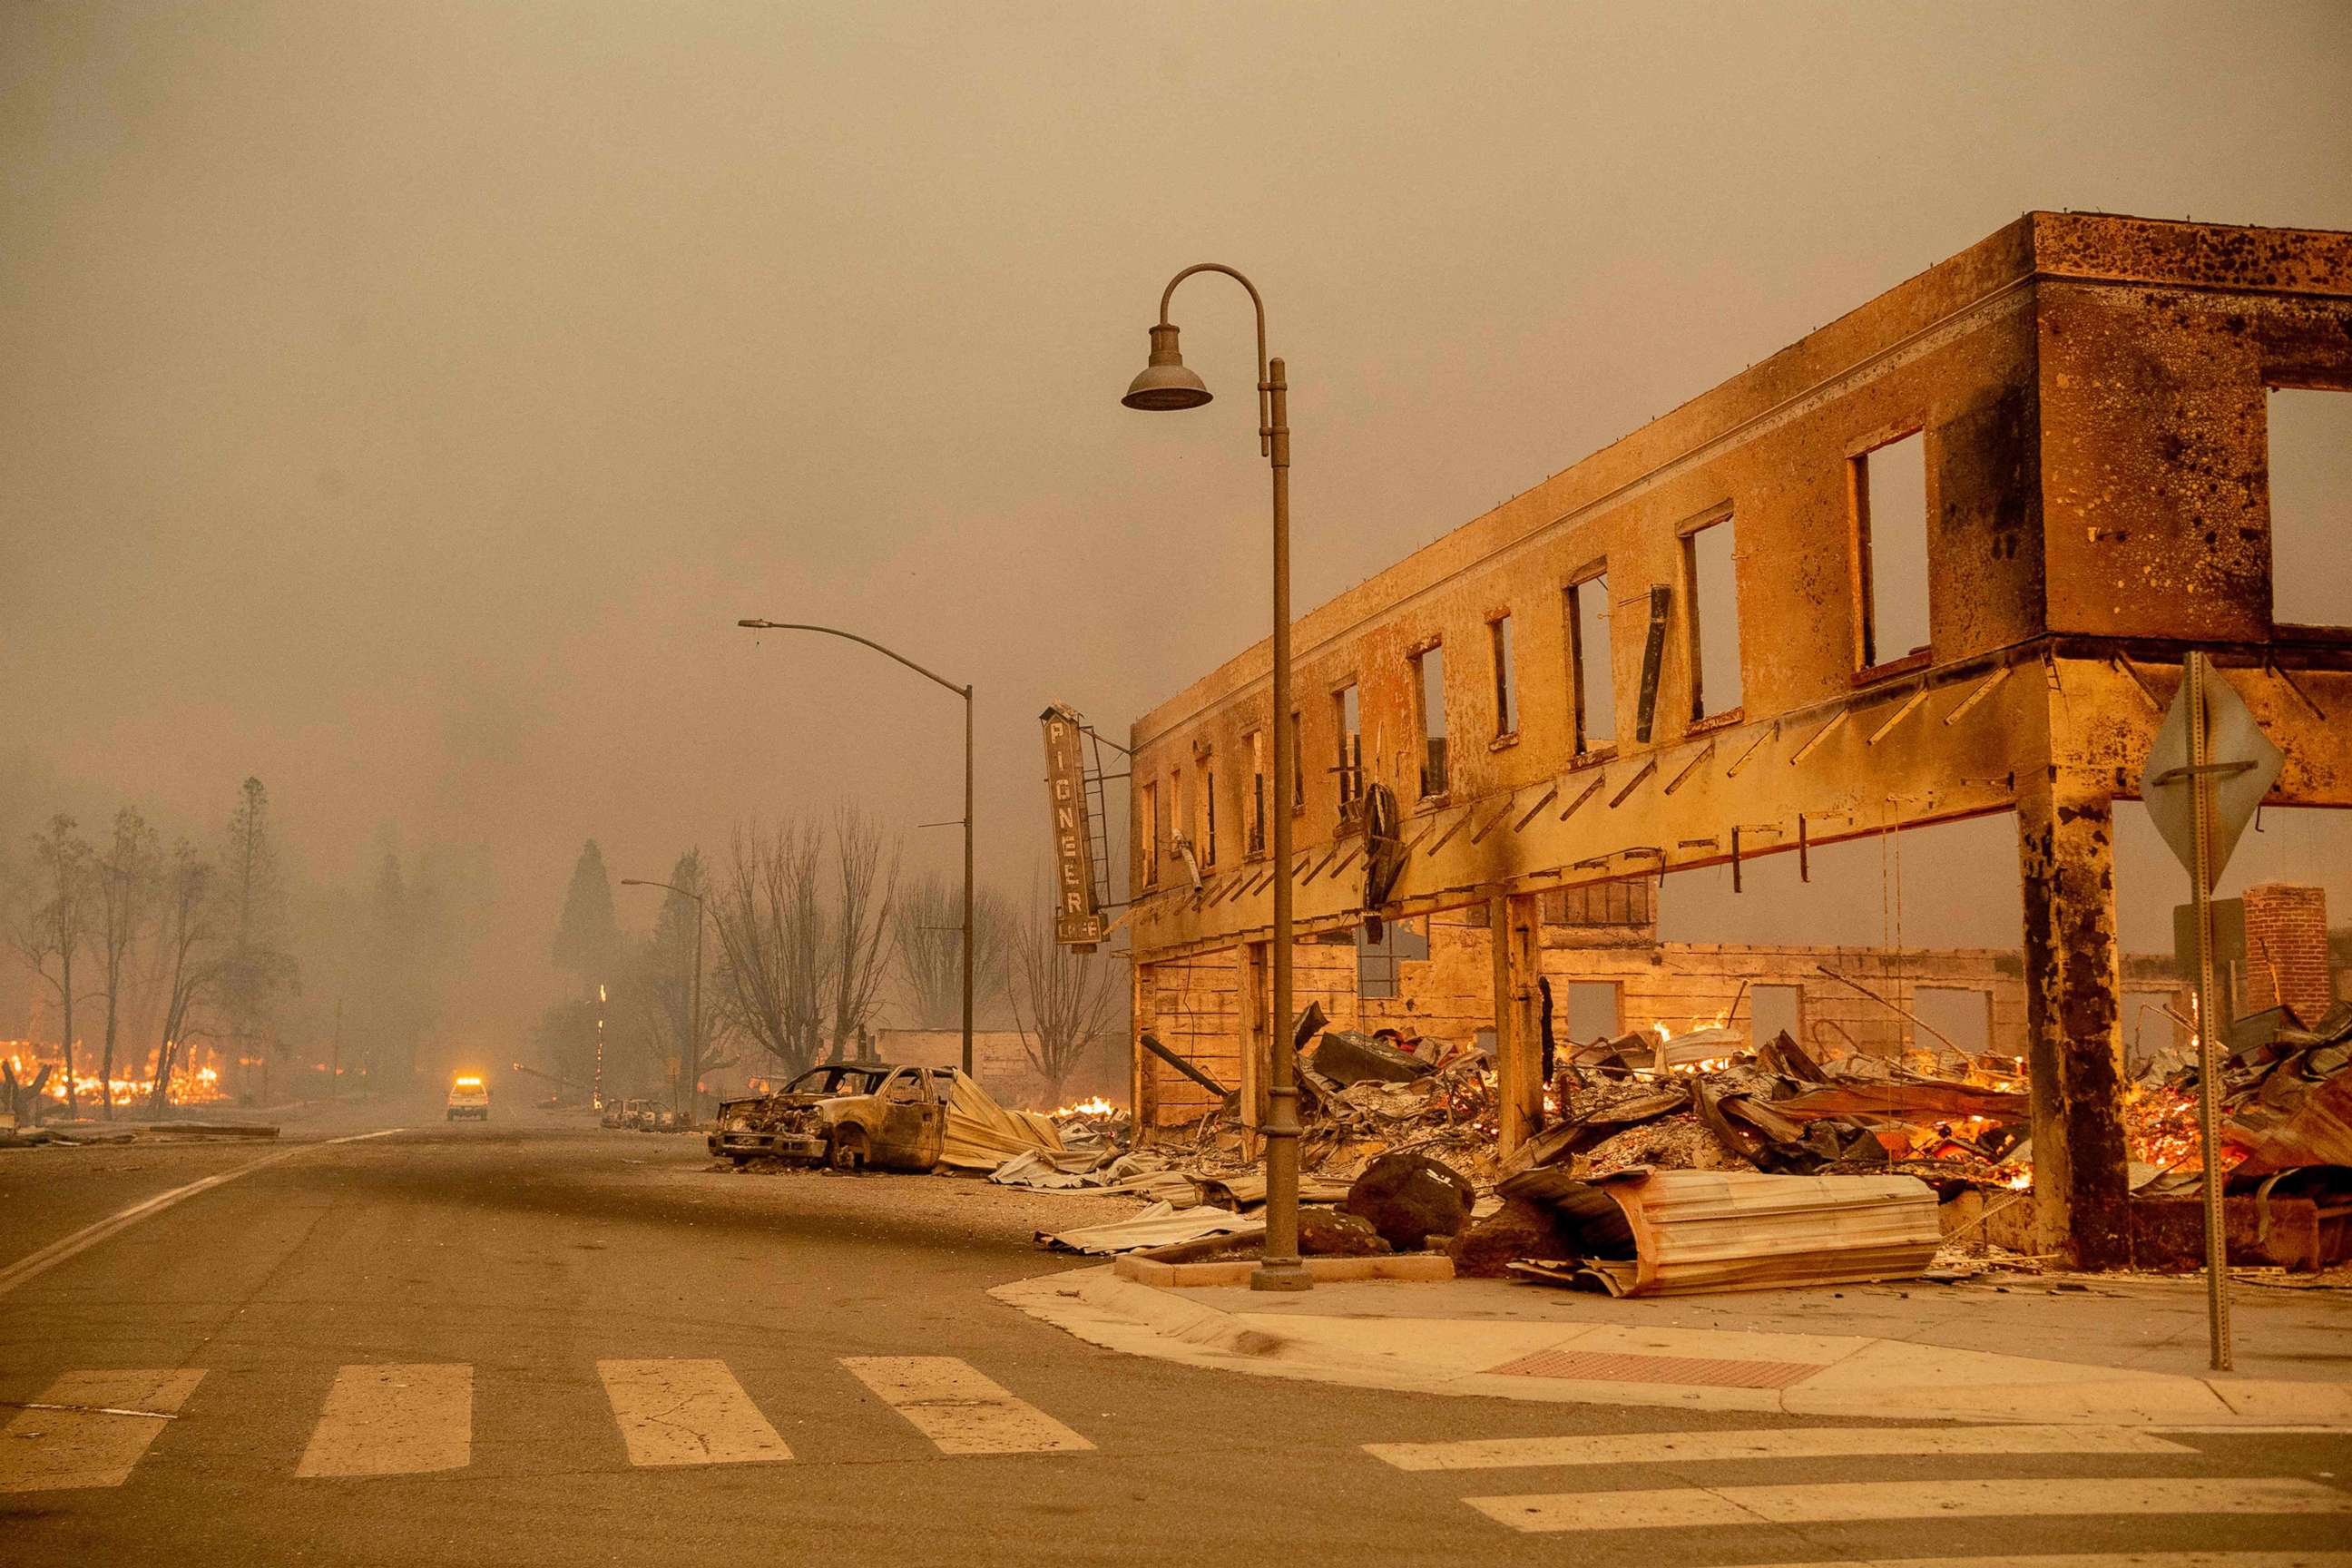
[(811, 938)]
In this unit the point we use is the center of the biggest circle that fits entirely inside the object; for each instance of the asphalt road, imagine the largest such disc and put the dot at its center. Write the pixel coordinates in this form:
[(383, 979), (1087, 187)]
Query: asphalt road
[(448, 1344)]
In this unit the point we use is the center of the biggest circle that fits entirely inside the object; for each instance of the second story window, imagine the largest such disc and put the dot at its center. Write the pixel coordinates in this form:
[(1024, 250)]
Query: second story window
[(1890, 533), (1429, 717), (1298, 764), (1711, 601), (1507, 711), (1150, 815), (1592, 681), (2310, 436), (1348, 721), (1254, 807), (1208, 813)]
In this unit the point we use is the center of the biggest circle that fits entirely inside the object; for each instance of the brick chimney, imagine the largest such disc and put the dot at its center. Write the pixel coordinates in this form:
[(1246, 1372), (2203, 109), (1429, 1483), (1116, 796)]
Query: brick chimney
[(2286, 950)]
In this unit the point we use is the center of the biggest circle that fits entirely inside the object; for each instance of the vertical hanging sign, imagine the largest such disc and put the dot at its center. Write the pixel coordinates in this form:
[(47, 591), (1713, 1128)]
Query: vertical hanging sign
[(1076, 921)]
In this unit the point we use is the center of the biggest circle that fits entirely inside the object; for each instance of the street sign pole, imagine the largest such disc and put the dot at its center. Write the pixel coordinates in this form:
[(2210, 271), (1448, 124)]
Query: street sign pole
[(2207, 770), (2209, 1045)]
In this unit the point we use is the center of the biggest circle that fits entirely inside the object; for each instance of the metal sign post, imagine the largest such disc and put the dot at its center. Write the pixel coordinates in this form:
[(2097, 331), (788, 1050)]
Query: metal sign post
[(2207, 773)]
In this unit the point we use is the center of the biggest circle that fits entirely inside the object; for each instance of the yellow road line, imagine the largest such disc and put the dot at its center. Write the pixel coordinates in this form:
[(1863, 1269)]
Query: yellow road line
[(960, 1409), (396, 1420), (1843, 1502), (104, 1424), (1801, 1443), (687, 1412)]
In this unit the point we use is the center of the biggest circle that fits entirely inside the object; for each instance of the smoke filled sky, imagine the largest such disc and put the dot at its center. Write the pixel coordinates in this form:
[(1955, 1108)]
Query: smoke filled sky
[(403, 401)]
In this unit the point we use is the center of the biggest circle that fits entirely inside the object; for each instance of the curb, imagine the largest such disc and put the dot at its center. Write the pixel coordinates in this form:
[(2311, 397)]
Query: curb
[(1864, 1378)]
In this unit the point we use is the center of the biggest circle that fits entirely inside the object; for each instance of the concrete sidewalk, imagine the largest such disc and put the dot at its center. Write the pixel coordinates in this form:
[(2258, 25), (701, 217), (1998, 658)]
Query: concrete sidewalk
[(2125, 1350)]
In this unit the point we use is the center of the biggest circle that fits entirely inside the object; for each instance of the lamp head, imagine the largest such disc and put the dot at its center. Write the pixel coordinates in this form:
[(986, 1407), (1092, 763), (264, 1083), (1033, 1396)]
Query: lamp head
[(1164, 381)]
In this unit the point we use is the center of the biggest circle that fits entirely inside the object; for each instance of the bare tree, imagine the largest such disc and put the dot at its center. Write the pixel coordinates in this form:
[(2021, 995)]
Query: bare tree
[(1070, 998), (771, 939), (927, 927), (190, 936), (124, 885), (866, 872), (57, 925)]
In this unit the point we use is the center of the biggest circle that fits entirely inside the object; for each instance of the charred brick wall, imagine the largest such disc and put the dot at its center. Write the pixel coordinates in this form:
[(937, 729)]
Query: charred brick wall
[(2286, 950)]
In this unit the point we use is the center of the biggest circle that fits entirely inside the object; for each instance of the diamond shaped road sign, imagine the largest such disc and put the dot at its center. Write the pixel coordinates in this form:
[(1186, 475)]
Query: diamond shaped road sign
[(2240, 759)]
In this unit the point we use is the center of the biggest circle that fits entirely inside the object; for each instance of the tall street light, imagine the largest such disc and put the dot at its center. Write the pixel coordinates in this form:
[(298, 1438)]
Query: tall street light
[(690, 1057), (964, 692), (1166, 383)]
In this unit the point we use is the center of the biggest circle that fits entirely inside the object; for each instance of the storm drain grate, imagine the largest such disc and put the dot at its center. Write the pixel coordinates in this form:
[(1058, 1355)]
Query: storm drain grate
[(1605, 1366)]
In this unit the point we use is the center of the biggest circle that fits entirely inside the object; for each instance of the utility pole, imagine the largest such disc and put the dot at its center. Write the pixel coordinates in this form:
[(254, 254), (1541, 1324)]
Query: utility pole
[(335, 1059), (596, 1090)]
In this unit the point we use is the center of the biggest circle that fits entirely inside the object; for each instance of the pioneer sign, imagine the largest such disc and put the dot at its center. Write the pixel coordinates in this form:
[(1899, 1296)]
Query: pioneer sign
[(1076, 921)]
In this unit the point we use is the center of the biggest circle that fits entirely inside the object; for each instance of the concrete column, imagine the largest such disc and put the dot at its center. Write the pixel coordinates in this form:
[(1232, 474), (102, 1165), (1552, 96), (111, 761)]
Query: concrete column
[(2073, 1041), (1513, 926), (1141, 1100), (1250, 1003)]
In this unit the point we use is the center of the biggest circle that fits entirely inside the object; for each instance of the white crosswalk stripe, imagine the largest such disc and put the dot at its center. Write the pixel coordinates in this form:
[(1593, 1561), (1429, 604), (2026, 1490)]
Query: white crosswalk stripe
[(1852, 1501), (399, 1420), (959, 1408), (687, 1412), (89, 1428), (1797, 1443)]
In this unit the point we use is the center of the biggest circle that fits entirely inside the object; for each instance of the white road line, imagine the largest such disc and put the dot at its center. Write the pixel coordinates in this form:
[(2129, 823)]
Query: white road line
[(1848, 1501), (687, 1412), (33, 1265), (959, 1408), (91, 1442), (2101, 1560), (397, 1420), (1803, 1443)]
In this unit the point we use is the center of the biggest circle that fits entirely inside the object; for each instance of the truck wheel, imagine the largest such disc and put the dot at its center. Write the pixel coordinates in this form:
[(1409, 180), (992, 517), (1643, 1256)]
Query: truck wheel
[(848, 1151)]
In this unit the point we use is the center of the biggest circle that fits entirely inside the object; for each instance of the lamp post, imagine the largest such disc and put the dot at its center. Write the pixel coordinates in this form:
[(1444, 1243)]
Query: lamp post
[(964, 692), (1165, 383), (690, 1059)]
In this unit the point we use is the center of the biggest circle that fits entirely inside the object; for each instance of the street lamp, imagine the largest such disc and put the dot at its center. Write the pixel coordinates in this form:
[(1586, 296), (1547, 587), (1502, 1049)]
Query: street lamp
[(964, 692), (1165, 383), (690, 1059)]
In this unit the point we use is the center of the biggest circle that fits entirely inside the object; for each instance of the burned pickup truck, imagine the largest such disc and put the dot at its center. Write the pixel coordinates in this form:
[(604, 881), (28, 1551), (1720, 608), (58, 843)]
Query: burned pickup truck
[(845, 1115)]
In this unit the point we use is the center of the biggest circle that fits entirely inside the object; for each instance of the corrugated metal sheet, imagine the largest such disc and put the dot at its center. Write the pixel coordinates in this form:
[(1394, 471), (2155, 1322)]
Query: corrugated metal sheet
[(1735, 1230)]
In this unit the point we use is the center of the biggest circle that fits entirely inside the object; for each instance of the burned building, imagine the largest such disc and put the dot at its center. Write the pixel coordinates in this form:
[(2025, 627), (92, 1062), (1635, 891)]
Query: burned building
[(2063, 431)]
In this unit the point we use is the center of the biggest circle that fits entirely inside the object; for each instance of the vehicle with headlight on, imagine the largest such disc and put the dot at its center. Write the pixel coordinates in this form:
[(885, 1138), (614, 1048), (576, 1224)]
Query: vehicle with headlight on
[(469, 1098), (846, 1115)]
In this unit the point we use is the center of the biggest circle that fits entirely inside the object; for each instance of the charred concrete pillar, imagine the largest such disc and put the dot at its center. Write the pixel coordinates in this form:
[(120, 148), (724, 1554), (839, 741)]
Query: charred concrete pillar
[(1251, 1003), (2074, 1042), (1141, 1101), (1513, 926)]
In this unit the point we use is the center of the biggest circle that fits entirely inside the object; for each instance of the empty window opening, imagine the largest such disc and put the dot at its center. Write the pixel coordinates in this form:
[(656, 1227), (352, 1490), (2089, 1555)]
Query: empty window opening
[(1593, 1010), (1961, 1016), (1180, 814), (1257, 792), (1208, 813), (1890, 526), (2310, 507), (1774, 1011), (1590, 678), (2150, 1027), (1376, 962), (1298, 766), (1150, 834), (1506, 713), (1711, 590), (1429, 715), (1351, 765)]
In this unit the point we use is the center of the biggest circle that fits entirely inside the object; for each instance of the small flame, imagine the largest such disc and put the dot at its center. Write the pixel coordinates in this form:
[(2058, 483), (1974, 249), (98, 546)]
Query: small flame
[(1098, 1106)]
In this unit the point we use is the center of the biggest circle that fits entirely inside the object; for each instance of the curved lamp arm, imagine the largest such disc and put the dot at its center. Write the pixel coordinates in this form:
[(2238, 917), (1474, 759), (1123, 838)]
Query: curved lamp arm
[(1265, 418), (757, 625)]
